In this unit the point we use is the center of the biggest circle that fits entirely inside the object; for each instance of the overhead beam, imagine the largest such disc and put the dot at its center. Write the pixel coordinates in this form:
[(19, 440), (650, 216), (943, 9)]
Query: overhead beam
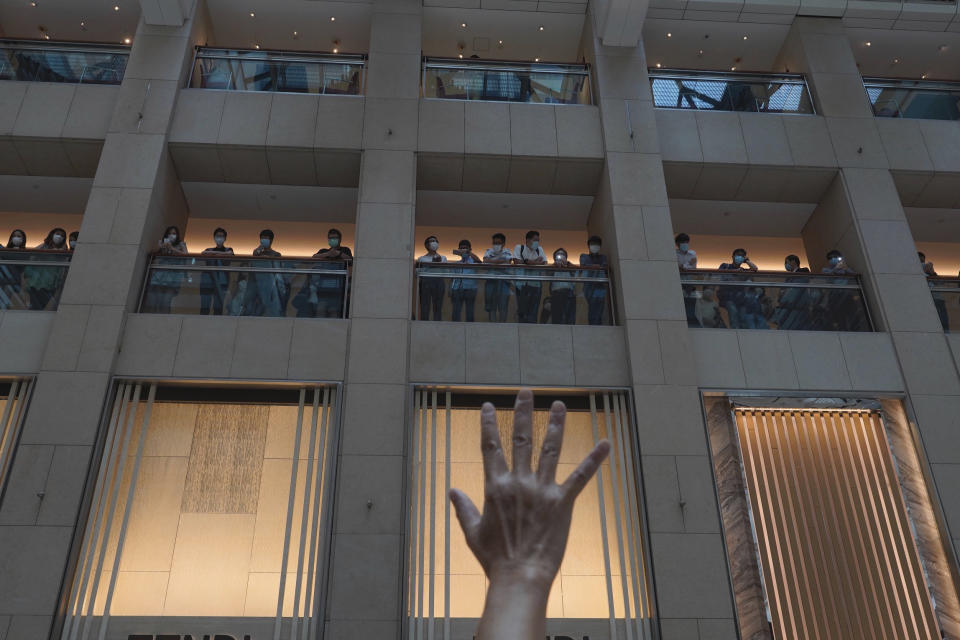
[(170, 13), (619, 22)]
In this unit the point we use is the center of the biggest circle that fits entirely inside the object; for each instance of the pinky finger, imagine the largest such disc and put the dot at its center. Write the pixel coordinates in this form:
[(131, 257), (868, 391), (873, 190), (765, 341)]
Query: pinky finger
[(577, 480)]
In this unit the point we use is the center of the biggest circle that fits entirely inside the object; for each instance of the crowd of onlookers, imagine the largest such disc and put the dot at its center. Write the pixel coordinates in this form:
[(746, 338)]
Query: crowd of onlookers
[(39, 284)]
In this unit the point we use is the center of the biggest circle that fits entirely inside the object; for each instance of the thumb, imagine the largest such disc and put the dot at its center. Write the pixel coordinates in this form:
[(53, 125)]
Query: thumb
[(467, 512)]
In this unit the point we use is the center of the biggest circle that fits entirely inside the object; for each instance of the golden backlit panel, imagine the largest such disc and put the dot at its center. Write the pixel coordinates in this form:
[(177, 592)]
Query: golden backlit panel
[(208, 525), (581, 587), (12, 411), (835, 544)]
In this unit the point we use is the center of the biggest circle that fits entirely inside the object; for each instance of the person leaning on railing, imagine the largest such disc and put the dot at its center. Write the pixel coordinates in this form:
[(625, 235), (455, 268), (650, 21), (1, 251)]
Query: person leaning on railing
[(794, 303), (322, 296), (213, 284), (563, 298), (11, 274), (496, 291), (165, 283), (463, 291), (431, 289), (529, 291), (594, 294), (742, 307), (267, 292), (43, 282)]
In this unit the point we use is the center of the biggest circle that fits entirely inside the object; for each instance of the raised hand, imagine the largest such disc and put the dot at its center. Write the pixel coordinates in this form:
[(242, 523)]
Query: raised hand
[(520, 537)]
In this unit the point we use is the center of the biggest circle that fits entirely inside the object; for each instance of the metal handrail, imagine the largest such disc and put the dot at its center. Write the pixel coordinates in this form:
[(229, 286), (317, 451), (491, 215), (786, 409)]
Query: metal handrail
[(192, 266), (907, 83), (500, 274), (717, 276), (72, 47), (726, 76), (285, 56), (500, 65)]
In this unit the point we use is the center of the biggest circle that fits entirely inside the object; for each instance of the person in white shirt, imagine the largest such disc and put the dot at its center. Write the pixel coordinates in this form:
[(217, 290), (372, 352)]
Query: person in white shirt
[(687, 261), (496, 292), (431, 289), (529, 291)]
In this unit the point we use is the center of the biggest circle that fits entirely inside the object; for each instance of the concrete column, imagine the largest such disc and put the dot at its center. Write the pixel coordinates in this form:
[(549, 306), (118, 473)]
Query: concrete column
[(365, 593), (862, 215), (631, 211), (135, 193)]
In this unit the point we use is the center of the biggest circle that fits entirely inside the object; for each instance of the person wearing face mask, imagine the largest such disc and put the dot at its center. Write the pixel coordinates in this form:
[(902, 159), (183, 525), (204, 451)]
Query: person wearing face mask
[(44, 282), (431, 289), (165, 283), (793, 305), (322, 297), (733, 299), (266, 293), (938, 301), (463, 291), (529, 291), (496, 292), (840, 305), (563, 298), (73, 239), (214, 284), (11, 274), (594, 294), (687, 261)]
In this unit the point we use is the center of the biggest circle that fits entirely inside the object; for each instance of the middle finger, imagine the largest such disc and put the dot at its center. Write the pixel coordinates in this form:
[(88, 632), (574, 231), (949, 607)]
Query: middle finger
[(523, 433)]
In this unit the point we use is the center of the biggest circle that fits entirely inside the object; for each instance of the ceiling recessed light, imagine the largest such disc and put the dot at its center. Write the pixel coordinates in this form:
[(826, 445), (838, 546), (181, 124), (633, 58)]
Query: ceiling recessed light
[(33, 4), (868, 43), (541, 28), (744, 37), (463, 25), (669, 35), (126, 41), (733, 68), (296, 35), (500, 42), (83, 25), (116, 7), (896, 61), (536, 59), (46, 36), (942, 48), (923, 76), (700, 52), (256, 46), (253, 14), (460, 55), (658, 65), (333, 18)]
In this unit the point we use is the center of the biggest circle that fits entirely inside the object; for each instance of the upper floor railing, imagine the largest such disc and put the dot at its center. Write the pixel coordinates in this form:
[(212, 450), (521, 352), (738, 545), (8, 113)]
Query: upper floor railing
[(246, 286), (774, 300), (32, 279), (946, 299), (453, 79), (33, 61), (278, 71), (513, 293), (720, 91), (891, 98)]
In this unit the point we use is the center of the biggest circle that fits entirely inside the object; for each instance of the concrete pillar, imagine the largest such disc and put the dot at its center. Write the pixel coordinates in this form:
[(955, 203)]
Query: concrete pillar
[(365, 593), (863, 215), (135, 193), (691, 580)]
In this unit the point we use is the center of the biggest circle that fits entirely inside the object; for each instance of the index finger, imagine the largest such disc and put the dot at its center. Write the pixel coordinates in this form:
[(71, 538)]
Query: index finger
[(494, 463)]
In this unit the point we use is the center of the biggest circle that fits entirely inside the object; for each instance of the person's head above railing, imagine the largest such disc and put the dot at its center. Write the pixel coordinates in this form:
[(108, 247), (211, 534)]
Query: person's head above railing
[(173, 243)]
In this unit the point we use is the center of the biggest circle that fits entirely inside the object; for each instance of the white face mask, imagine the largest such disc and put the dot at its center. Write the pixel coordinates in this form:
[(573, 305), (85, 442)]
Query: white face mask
[(57, 238), (16, 241), (432, 246), (264, 242), (497, 248), (219, 240), (73, 244), (594, 248), (171, 238), (333, 242), (535, 245)]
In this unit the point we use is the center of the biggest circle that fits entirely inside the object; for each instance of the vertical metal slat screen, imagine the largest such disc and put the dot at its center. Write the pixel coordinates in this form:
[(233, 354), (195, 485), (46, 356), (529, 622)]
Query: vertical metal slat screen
[(94, 584), (13, 409), (833, 534), (444, 598)]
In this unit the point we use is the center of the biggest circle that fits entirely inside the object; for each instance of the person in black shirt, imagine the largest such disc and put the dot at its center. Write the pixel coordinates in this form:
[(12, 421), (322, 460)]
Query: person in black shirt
[(595, 294), (794, 303), (213, 284), (267, 292), (322, 297)]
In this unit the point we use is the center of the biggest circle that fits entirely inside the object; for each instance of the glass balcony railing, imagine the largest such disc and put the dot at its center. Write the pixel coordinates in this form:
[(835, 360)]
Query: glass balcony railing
[(718, 91), (946, 298), (33, 279), (246, 286), (450, 79), (75, 63), (774, 300), (278, 71), (913, 99), (513, 293)]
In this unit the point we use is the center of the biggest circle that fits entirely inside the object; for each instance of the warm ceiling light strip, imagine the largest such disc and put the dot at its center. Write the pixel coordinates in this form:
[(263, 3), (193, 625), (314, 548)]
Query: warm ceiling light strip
[(835, 543)]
